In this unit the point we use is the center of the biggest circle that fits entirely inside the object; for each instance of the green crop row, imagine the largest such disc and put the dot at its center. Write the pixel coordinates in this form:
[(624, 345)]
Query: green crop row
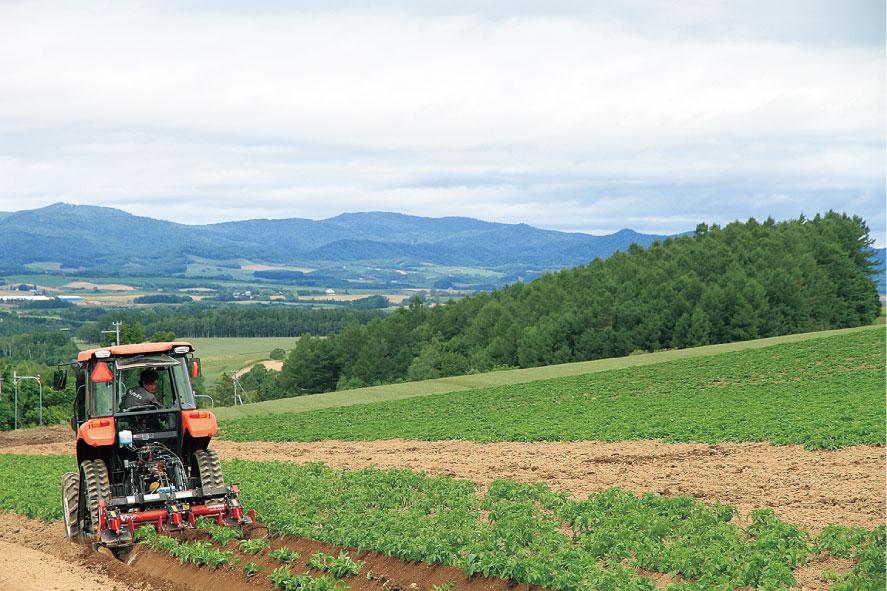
[(31, 485), (205, 554), (537, 536), (343, 566), (823, 393), (285, 580), (509, 530)]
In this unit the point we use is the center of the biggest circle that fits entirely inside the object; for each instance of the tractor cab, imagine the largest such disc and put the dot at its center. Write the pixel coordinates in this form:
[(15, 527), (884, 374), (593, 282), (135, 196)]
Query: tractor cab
[(109, 386)]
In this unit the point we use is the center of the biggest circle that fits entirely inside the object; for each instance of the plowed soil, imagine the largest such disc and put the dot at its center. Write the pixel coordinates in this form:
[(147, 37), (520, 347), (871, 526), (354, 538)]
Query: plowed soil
[(809, 488)]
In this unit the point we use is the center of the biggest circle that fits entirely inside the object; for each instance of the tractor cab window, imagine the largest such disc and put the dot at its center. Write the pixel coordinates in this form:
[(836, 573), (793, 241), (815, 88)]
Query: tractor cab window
[(101, 385), (146, 381), (183, 385)]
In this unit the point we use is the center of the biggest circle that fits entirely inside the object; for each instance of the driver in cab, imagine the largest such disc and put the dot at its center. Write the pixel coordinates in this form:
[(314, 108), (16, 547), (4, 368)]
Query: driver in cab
[(143, 394)]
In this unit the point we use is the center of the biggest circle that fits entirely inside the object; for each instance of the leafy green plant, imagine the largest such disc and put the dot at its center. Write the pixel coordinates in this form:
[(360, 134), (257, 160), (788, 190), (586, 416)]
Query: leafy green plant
[(285, 580), (284, 555), (164, 544), (201, 554), (280, 575), (145, 533), (869, 555), (222, 535), (218, 533), (338, 567), (254, 546), (252, 569), (515, 530)]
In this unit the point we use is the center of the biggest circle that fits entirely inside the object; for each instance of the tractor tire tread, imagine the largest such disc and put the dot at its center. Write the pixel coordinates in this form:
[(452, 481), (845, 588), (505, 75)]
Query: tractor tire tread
[(210, 468), (71, 504), (97, 486)]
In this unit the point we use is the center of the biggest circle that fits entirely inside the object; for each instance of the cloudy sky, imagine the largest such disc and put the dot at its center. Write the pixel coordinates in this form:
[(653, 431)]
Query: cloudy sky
[(578, 116)]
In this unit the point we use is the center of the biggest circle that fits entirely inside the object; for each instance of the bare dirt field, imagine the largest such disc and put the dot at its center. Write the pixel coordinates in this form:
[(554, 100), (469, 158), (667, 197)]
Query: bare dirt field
[(808, 488), (270, 364), (394, 298), (101, 286)]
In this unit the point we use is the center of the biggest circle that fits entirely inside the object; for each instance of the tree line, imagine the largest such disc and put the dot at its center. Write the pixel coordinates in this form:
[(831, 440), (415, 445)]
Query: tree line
[(743, 281), (34, 355), (197, 321)]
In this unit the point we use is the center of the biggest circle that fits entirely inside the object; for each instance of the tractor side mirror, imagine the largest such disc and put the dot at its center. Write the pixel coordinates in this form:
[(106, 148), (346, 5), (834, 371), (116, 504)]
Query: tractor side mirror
[(59, 379), (195, 368)]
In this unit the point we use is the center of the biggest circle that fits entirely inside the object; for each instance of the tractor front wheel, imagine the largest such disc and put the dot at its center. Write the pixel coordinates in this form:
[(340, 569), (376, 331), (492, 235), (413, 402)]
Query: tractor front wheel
[(71, 504)]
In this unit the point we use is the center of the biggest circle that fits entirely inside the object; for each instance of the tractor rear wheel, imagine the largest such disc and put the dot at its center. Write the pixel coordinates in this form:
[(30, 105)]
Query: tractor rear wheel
[(209, 467), (71, 504), (94, 485)]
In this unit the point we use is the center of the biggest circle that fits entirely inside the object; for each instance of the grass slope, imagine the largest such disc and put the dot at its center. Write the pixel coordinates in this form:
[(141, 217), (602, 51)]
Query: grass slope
[(500, 378), (219, 355), (823, 393)]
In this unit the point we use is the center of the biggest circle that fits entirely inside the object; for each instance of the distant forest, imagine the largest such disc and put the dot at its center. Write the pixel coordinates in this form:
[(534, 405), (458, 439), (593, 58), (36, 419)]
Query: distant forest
[(743, 281), (195, 320)]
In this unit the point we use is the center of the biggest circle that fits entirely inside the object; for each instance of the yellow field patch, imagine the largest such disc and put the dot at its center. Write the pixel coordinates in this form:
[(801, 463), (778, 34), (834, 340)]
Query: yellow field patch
[(100, 286)]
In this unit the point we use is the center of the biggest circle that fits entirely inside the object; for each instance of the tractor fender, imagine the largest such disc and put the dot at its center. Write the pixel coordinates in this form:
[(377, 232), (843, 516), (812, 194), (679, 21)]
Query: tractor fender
[(199, 423), (97, 432)]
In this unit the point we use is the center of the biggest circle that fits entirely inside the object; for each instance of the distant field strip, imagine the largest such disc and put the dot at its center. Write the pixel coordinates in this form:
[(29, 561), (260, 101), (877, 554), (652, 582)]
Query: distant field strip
[(501, 378), (822, 393)]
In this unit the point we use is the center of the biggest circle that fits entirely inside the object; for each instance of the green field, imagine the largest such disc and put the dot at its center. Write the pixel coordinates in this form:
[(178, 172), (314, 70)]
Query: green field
[(824, 390), (501, 378), (824, 393), (45, 280), (610, 540), (219, 355)]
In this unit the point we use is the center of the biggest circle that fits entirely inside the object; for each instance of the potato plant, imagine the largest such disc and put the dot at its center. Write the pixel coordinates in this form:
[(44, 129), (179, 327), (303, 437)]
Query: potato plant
[(285, 580), (251, 569), (519, 531), (342, 566), (284, 555), (197, 553), (526, 532), (822, 393), (255, 546)]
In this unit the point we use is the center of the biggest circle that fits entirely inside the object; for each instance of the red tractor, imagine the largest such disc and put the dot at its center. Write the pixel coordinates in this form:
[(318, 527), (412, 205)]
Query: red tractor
[(142, 447)]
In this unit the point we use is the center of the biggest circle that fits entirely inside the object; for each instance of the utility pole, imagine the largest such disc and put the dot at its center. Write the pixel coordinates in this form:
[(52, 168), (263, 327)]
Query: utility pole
[(15, 380), (238, 399), (116, 325)]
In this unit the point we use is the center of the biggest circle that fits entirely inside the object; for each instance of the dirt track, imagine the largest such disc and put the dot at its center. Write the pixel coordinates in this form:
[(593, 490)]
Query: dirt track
[(809, 488)]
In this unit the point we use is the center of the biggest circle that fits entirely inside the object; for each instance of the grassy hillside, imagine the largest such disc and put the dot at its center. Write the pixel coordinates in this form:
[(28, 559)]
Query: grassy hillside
[(825, 393), (485, 380), (231, 354)]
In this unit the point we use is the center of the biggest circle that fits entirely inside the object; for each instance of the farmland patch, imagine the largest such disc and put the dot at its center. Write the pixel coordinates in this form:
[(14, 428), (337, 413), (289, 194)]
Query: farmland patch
[(822, 393), (507, 530)]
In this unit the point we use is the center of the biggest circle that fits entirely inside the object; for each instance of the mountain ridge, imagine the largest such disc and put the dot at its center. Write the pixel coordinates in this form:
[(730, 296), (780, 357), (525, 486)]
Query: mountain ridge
[(97, 236)]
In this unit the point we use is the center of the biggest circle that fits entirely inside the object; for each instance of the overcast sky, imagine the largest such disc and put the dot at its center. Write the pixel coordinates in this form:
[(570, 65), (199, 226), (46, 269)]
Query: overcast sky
[(577, 116)]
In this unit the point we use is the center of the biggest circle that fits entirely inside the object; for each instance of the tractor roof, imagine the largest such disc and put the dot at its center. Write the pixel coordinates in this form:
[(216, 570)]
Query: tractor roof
[(137, 349)]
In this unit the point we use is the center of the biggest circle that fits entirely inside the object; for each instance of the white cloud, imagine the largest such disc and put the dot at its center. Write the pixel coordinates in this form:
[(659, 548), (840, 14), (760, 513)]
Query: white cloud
[(557, 117)]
